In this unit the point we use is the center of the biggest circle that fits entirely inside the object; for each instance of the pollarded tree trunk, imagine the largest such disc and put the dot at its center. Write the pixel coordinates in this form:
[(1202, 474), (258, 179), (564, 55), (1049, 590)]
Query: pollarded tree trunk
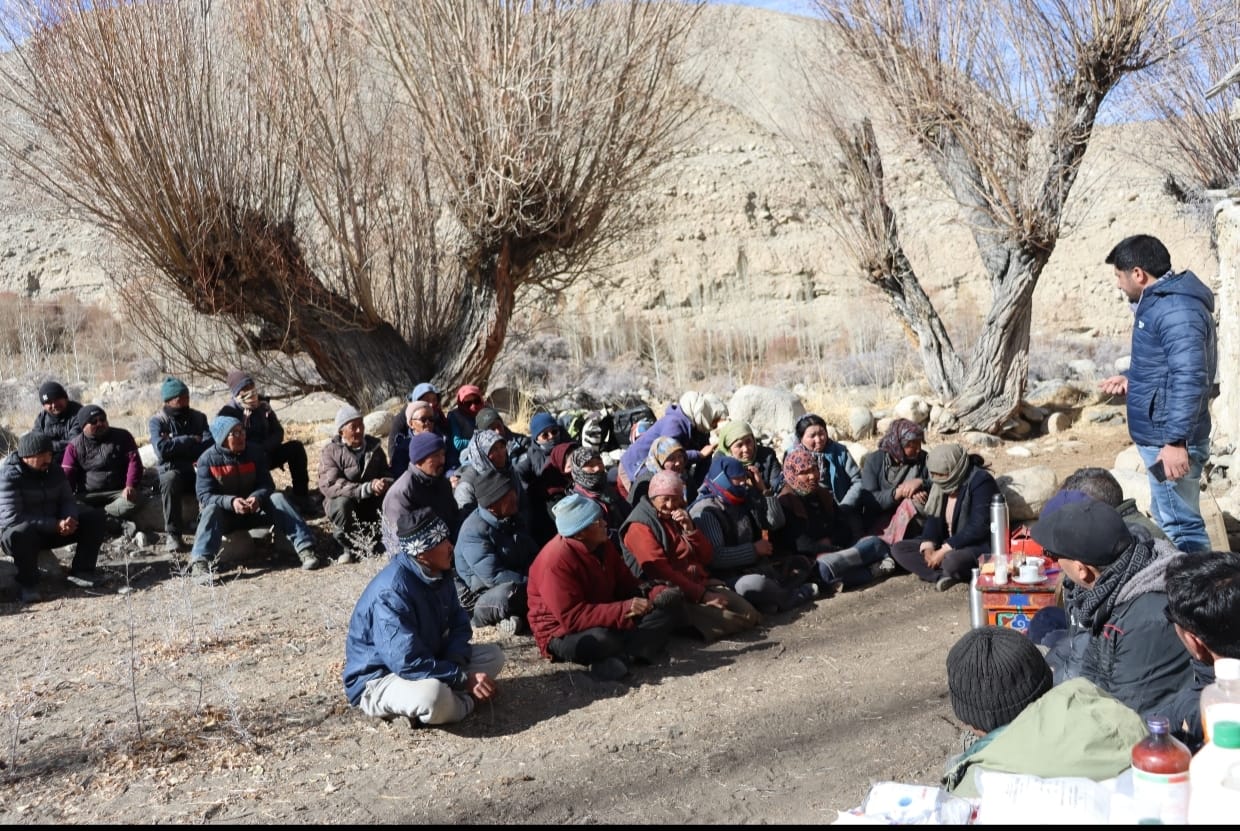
[(473, 343), (875, 237), (999, 364)]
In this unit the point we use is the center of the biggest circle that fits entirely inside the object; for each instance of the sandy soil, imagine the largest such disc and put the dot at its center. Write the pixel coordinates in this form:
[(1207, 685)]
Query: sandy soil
[(155, 700)]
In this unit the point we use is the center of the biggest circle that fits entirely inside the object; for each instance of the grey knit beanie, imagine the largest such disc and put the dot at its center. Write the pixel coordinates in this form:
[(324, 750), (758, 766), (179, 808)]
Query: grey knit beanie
[(344, 415), (33, 443)]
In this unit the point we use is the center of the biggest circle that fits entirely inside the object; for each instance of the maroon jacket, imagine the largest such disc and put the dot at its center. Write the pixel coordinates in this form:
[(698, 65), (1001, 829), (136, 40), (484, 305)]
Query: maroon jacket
[(571, 590)]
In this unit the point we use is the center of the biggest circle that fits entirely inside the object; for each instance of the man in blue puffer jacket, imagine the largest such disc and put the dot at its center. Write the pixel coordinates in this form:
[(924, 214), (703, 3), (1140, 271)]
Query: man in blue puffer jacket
[(1169, 383), (408, 651)]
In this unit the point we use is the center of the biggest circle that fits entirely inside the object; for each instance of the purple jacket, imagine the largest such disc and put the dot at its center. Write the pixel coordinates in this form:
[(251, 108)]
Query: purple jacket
[(673, 424)]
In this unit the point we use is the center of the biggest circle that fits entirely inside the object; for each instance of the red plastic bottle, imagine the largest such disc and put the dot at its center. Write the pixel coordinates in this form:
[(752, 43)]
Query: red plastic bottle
[(1160, 765)]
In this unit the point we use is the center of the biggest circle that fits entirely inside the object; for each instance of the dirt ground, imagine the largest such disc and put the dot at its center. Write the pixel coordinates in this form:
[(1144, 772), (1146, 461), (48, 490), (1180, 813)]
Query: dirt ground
[(155, 700)]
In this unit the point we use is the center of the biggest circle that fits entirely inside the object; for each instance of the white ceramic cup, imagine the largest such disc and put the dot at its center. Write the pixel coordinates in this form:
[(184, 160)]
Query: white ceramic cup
[(1030, 573), (1037, 562)]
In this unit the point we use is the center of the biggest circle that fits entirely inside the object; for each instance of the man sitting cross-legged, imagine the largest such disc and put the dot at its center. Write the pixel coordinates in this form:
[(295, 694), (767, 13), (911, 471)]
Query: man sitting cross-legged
[(587, 607), (494, 551), (408, 651)]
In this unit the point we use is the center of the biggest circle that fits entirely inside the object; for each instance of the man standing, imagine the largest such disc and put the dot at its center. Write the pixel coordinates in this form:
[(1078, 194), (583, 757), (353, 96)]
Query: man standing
[(104, 469), (179, 434), (1169, 383), (37, 511)]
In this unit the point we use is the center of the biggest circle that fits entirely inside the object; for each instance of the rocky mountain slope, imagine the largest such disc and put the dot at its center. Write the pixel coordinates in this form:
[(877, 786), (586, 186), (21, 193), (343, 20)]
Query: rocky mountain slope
[(738, 233)]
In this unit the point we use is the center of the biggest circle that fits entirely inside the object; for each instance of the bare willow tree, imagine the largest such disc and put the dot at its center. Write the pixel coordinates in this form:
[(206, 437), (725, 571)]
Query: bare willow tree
[(344, 197), (1001, 98), (1199, 134)]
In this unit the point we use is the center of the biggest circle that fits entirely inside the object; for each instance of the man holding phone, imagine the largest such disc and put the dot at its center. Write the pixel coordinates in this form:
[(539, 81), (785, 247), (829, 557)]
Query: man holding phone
[(1169, 382)]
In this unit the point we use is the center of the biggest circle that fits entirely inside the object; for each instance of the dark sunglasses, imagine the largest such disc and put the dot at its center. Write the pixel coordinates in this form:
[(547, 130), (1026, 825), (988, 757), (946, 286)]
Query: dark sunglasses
[(423, 420), (97, 420)]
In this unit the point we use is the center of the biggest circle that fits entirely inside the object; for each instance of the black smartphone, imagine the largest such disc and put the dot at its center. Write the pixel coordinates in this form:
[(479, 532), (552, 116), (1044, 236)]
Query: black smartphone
[(1156, 470)]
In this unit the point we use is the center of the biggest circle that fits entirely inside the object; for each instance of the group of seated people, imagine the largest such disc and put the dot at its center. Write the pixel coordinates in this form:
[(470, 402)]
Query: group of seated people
[(708, 538), (701, 529), (1137, 636), (74, 478)]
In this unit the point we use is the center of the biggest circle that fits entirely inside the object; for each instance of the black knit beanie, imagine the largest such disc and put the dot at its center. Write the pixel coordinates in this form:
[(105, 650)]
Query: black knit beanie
[(50, 391), (993, 674)]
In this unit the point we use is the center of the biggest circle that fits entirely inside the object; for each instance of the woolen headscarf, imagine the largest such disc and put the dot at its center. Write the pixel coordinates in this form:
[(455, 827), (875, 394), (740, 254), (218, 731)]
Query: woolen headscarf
[(660, 450), (730, 433), (558, 457), (480, 446), (723, 469), (703, 410), (797, 462), (666, 483), (993, 674), (421, 390), (592, 482), (899, 433), (951, 461)]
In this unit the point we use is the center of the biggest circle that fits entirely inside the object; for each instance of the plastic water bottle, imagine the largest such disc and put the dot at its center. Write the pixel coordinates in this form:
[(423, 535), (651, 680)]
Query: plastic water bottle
[(1221, 700), (1000, 528), (1160, 764), (1215, 777)]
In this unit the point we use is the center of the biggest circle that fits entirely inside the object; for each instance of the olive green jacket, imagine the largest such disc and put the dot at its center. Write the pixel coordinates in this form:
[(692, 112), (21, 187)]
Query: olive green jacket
[(1075, 729)]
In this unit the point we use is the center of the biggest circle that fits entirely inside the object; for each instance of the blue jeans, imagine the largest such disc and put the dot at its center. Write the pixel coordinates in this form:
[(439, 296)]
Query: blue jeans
[(1176, 506), (214, 522)]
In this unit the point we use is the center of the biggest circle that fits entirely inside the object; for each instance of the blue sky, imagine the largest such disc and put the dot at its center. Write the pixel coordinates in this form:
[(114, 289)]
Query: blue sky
[(802, 7)]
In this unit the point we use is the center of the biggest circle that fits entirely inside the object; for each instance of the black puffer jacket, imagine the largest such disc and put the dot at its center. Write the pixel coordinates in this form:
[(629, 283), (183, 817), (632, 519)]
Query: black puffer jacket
[(28, 496), (61, 428)]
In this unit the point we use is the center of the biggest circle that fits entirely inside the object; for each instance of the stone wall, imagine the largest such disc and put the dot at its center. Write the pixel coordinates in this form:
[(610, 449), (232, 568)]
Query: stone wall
[(1226, 410)]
